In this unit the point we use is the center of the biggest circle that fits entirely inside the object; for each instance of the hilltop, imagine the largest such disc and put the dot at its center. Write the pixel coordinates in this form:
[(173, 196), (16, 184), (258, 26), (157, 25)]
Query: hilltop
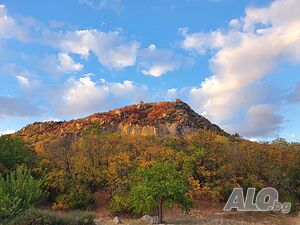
[(161, 119)]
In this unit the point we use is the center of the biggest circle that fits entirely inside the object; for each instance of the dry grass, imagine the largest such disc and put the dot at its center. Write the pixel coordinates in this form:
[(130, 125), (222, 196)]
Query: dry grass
[(218, 219), (204, 214), (183, 222)]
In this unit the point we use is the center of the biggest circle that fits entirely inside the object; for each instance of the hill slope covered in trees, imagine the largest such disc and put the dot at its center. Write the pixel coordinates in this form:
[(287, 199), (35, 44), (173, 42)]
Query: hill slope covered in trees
[(110, 153)]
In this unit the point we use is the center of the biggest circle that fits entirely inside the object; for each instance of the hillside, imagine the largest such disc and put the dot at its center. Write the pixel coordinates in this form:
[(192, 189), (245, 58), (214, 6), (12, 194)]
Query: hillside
[(104, 171), (161, 119)]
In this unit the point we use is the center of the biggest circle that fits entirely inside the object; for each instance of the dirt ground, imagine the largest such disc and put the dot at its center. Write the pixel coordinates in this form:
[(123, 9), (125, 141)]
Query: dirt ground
[(202, 215), (212, 218)]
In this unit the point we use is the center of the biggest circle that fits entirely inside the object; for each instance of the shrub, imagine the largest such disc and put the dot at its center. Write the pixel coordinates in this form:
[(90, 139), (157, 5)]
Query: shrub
[(119, 203), (294, 203), (41, 217), (75, 198), (19, 191)]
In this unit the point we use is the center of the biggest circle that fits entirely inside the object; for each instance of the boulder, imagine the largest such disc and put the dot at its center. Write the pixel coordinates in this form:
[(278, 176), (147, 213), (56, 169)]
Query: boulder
[(146, 218), (117, 220), (150, 219)]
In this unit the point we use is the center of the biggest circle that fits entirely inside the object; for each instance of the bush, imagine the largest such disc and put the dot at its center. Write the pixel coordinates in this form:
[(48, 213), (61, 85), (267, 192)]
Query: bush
[(119, 203), (76, 198), (41, 217), (19, 191), (294, 203)]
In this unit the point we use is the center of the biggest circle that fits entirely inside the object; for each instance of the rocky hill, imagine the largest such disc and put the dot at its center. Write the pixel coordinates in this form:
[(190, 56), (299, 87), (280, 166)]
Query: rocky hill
[(161, 119)]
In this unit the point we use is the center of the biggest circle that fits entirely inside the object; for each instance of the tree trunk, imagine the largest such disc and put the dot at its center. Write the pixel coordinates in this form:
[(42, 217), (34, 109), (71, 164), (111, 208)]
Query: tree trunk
[(160, 211)]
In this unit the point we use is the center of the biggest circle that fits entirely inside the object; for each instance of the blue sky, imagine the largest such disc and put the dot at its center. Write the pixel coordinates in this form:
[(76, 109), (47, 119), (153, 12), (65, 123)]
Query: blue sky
[(235, 62)]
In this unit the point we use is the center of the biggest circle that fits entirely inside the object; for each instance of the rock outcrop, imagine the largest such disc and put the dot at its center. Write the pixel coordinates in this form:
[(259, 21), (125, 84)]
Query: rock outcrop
[(161, 119)]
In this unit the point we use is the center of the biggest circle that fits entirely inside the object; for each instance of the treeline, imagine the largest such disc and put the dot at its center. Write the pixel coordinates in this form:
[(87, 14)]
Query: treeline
[(75, 168)]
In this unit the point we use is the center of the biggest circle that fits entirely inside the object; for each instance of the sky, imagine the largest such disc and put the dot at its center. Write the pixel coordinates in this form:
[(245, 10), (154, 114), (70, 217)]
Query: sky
[(236, 62)]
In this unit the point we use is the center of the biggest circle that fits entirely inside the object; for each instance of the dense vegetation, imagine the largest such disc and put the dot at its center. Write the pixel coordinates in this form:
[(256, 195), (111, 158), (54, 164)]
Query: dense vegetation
[(41, 217), (14, 152), (77, 167), (19, 191)]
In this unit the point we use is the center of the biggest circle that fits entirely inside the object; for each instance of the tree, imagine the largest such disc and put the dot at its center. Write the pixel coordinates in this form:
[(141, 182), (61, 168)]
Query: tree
[(60, 152), (159, 186), (19, 191), (13, 152)]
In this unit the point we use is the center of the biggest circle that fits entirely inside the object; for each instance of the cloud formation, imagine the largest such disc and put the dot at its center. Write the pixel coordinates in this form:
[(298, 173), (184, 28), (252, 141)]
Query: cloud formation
[(110, 47), (67, 64), (261, 120), (25, 78), (17, 107), (128, 90), (7, 131), (83, 96), (9, 28), (244, 55), (80, 97), (156, 62)]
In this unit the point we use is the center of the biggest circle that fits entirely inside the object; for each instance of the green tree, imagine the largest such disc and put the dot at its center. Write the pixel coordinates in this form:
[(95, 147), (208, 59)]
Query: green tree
[(19, 191), (13, 152), (159, 186)]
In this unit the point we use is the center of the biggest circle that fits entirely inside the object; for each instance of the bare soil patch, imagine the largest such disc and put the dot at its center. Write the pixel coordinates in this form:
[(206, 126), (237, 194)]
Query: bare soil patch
[(205, 214)]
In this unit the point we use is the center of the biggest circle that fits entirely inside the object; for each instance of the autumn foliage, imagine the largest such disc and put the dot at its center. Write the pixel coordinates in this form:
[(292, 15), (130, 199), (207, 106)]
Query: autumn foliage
[(78, 167), (86, 156)]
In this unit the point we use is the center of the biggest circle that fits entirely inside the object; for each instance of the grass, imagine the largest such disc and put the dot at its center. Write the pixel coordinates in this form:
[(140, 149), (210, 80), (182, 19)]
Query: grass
[(183, 222), (43, 217)]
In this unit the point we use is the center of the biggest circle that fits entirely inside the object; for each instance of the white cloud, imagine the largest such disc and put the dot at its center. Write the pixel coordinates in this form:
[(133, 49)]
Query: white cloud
[(129, 89), (156, 62), (172, 94), (253, 139), (201, 42), (28, 84), (25, 78), (67, 64), (7, 131), (52, 119), (84, 96), (243, 56), (9, 27), (81, 96), (110, 48), (61, 64), (24, 81)]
